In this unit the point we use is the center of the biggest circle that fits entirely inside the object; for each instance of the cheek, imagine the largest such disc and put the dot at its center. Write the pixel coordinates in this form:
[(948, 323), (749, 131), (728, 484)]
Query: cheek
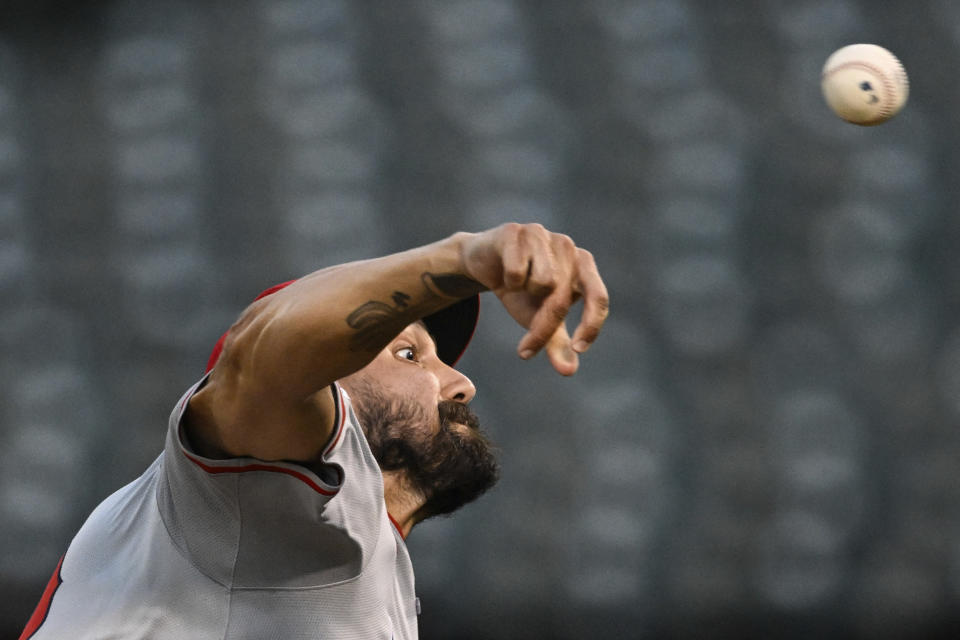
[(414, 388), (401, 380), (420, 386)]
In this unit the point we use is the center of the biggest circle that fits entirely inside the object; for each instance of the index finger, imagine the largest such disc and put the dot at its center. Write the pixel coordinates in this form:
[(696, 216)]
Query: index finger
[(553, 309), (596, 302)]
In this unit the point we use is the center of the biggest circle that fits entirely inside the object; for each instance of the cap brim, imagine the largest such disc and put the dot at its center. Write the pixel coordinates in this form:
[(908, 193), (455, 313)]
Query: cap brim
[(452, 328)]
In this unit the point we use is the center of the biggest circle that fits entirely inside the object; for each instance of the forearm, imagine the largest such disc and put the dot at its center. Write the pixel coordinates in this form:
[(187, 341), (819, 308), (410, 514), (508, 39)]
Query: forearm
[(332, 322)]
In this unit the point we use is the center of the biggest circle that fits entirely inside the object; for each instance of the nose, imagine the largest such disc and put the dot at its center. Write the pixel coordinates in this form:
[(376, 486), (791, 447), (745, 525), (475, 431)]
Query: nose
[(456, 386)]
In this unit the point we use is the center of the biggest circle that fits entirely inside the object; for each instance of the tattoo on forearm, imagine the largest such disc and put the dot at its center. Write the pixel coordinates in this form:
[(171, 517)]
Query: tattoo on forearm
[(376, 323)]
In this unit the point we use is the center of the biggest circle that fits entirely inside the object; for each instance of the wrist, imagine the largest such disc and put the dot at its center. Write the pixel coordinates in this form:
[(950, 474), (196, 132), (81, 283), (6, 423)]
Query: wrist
[(446, 272), (472, 256)]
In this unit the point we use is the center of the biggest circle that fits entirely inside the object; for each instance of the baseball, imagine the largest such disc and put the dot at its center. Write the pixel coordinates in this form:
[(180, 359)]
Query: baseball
[(864, 84)]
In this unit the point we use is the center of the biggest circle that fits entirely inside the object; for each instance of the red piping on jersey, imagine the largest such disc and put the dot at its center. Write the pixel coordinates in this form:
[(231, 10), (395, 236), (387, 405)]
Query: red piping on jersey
[(341, 414), (40, 613), (262, 467), (396, 525)]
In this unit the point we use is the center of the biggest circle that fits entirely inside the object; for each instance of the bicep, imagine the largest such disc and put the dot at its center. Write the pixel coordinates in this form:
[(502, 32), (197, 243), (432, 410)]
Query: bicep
[(267, 398), (235, 416)]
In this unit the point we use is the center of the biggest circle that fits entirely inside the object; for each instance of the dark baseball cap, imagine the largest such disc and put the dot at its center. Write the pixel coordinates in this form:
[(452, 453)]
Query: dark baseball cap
[(452, 327)]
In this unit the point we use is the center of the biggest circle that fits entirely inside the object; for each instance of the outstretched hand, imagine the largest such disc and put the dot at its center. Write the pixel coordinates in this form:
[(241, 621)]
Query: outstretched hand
[(538, 276)]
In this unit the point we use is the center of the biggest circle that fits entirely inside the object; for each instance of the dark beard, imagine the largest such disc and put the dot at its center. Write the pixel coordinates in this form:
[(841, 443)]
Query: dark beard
[(450, 468)]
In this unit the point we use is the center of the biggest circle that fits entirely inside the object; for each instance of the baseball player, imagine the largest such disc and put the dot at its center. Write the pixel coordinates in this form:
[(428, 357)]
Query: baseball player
[(330, 422)]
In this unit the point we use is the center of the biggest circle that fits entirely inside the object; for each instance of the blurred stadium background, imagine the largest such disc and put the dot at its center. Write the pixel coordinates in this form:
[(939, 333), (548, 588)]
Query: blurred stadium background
[(765, 442)]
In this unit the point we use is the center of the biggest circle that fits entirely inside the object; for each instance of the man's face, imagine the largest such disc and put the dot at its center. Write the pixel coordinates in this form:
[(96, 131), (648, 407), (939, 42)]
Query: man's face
[(413, 409)]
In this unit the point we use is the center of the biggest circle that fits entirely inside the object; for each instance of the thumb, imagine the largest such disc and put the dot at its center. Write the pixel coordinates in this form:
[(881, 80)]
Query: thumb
[(560, 352)]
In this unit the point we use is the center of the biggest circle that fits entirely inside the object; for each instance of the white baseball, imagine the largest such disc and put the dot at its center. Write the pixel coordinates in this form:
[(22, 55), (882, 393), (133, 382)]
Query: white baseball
[(864, 84)]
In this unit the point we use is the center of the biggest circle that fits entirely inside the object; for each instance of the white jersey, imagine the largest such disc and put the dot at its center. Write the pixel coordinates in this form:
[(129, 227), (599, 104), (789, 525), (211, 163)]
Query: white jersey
[(238, 549)]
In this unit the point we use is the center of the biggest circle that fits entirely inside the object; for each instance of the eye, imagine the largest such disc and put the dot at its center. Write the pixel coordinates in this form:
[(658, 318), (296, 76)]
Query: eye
[(408, 353)]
